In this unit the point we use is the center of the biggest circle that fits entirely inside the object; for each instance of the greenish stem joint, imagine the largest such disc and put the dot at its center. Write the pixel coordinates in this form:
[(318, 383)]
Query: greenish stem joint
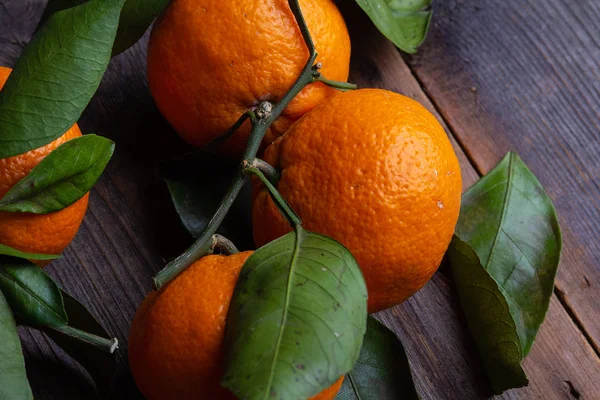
[(261, 118)]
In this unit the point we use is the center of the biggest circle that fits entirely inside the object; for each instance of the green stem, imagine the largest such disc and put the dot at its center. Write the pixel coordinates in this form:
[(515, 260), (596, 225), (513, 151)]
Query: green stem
[(225, 245), (270, 172), (260, 124), (343, 86), (217, 142), (107, 345), (280, 202)]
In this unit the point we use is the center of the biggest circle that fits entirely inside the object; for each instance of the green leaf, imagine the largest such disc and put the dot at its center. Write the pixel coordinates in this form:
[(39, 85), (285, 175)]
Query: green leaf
[(404, 22), (510, 225), (382, 371), (33, 296), (197, 184), (9, 251), (56, 76), (100, 364), (489, 319), (297, 319), (62, 178), (13, 379), (136, 17)]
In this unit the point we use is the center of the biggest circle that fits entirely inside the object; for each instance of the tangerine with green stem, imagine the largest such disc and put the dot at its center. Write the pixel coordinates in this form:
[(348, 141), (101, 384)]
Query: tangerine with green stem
[(376, 171)]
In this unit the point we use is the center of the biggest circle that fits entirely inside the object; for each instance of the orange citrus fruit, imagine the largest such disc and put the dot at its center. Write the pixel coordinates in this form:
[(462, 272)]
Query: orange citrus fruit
[(374, 170), (211, 61), (36, 233), (177, 333)]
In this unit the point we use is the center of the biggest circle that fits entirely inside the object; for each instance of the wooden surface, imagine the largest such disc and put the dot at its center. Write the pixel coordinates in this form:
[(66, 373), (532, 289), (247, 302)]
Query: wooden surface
[(512, 75)]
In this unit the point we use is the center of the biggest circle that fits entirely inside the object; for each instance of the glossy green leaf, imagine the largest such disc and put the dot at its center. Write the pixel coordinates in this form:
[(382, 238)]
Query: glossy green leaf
[(382, 371), (62, 178), (197, 184), (99, 364), (509, 222), (33, 296), (136, 17), (56, 75), (297, 319), (9, 251), (404, 22), (13, 379), (489, 319)]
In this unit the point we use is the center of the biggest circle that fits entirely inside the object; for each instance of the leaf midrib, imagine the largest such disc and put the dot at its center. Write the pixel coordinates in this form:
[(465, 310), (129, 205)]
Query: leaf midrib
[(284, 316), (32, 294)]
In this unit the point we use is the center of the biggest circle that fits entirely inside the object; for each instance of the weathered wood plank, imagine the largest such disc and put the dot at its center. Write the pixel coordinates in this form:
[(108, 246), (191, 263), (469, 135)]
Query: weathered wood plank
[(431, 324), (525, 76), (130, 225)]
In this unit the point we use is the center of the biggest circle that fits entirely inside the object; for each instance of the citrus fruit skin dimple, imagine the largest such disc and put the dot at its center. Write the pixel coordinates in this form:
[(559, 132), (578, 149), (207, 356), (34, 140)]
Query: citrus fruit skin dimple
[(211, 61), (177, 333), (376, 171), (36, 233)]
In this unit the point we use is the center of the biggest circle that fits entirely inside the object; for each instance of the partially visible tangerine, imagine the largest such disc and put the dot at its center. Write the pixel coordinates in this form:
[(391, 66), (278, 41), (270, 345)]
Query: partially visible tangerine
[(37, 233), (211, 61), (177, 334)]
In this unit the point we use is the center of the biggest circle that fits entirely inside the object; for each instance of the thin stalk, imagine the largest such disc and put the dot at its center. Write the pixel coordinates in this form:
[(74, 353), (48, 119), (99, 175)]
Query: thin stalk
[(343, 86), (107, 345), (203, 245), (270, 172), (225, 245), (260, 124), (280, 202), (215, 143)]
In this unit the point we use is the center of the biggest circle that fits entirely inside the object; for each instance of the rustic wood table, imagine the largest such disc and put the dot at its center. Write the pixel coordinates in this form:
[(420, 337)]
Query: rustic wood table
[(519, 75)]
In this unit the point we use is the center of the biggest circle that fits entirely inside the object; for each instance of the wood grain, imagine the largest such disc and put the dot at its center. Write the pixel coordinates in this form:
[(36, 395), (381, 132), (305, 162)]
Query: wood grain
[(131, 226), (525, 76)]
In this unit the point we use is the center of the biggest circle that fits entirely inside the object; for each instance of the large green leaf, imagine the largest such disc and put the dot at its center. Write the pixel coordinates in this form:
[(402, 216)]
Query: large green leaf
[(100, 364), (33, 296), (489, 319), (9, 251), (136, 17), (62, 178), (13, 379), (404, 22), (382, 371), (57, 75), (197, 184), (509, 222), (297, 319)]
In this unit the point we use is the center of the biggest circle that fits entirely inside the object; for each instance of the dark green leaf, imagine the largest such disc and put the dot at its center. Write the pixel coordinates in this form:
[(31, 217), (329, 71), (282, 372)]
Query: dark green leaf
[(56, 76), (13, 379), (297, 319), (404, 22), (382, 371), (100, 364), (62, 178), (9, 251), (509, 223), (136, 17), (489, 319), (197, 185), (54, 6), (33, 296)]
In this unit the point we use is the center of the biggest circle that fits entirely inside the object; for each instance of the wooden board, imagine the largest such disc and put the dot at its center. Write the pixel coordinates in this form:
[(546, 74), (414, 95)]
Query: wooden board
[(525, 76), (131, 226)]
